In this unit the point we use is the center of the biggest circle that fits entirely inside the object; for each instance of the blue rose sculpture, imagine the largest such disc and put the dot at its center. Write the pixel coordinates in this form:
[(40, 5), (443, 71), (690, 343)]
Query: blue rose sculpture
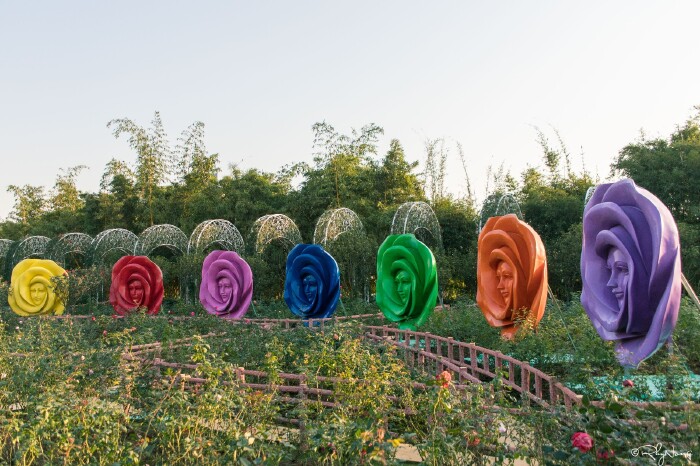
[(312, 284)]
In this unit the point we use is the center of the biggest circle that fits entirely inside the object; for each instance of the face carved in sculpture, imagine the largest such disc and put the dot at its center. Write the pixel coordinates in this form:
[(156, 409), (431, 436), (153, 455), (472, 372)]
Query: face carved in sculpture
[(504, 275), (619, 275), (310, 287), (38, 293), (403, 285), (225, 289), (136, 292)]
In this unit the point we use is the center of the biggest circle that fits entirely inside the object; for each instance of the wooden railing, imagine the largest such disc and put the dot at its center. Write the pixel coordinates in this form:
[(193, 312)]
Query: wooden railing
[(469, 362)]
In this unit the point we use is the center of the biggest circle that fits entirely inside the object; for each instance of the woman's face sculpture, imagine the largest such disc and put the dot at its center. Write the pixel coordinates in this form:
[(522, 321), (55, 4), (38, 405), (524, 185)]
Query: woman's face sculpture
[(631, 269), (38, 293), (504, 275), (310, 287), (403, 285), (137, 282), (225, 288), (619, 275), (312, 282), (136, 291), (511, 274), (33, 290)]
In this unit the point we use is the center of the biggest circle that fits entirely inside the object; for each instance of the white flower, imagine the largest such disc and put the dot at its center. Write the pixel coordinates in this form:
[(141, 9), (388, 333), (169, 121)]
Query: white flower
[(501, 428)]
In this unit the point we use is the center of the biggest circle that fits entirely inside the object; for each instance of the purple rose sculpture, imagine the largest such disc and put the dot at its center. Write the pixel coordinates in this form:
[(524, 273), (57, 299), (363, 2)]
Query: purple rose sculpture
[(312, 284), (227, 285), (631, 269)]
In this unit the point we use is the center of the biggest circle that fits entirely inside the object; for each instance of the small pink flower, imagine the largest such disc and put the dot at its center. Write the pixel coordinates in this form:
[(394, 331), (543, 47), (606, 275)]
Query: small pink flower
[(582, 441), (605, 454), (192, 313), (90, 371), (104, 333), (93, 318), (627, 383)]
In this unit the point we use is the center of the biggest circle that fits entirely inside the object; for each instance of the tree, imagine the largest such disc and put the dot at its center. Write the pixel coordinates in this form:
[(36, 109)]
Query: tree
[(435, 169), (667, 168), (195, 167), (395, 181), (343, 155), (118, 198), (153, 163), (65, 196), (30, 203)]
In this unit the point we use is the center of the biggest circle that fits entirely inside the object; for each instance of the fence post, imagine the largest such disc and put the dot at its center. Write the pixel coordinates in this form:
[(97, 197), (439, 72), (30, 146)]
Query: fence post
[(240, 375)]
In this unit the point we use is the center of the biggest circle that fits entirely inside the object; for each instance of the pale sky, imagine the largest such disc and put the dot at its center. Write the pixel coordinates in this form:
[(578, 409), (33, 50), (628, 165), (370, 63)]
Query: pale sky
[(259, 74)]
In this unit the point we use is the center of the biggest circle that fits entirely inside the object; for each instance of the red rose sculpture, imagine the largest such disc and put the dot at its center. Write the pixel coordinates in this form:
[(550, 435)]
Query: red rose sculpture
[(136, 282)]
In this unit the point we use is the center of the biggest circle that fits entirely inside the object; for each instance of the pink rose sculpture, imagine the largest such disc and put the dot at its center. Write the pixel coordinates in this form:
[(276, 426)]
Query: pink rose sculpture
[(227, 285), (136, 282)]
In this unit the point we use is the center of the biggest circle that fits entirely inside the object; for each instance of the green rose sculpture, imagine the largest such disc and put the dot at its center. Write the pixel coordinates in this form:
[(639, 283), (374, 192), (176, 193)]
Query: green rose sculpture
[(407, 286)]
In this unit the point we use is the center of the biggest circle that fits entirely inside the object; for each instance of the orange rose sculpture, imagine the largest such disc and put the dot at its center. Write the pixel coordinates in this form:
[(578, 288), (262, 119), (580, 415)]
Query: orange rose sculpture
[(511, 274), (136, 282)]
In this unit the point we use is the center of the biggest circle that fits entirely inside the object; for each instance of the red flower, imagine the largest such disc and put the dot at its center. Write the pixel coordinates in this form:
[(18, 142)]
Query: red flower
[(605, 454), (472, 438), (93, 318), (627, 383), (104, 333), (443, 379), (582, 441), (192, 313)]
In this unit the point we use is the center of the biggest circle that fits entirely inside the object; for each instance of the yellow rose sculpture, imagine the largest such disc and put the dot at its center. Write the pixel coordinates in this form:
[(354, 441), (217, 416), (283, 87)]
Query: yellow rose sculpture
[(33, 288)]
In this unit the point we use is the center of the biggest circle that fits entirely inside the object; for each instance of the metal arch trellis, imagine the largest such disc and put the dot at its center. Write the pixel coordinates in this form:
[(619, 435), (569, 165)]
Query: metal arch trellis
[(412, 217), (334, 223), (28, 247), (271, 227), (589, 195), (497, 204), (115, 239), (68, 243), (217, 231), (5, 246), (156, 236)]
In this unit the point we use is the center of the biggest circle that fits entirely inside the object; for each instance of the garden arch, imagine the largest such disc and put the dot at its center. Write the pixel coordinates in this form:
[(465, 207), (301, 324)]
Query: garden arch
[(333, 223), (69, 243), (30, 247), (418, 218), (157, 236), (498, 204), (269, 228), (115, 239), (219, 232)]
